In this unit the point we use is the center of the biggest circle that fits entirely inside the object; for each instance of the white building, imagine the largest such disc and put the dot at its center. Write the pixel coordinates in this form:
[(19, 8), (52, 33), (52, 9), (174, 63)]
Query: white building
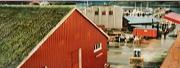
[(109, 16)]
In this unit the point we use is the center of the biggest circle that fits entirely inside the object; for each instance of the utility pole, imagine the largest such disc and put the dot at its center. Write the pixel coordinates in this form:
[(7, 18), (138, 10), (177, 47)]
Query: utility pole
[(86, 7)]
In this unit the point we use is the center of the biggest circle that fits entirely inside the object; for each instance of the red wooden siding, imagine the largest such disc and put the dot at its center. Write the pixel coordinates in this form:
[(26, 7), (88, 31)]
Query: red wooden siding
[(76, 32), (173, 57), (145, 32), (75, 59)]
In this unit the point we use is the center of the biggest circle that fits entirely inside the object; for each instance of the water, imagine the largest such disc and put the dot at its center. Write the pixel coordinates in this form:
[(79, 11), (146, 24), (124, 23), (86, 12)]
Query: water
[(177, 10)]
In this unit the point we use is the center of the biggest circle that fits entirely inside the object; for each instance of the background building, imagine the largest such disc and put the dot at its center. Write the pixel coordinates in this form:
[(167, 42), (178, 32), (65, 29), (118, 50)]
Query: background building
[(109, 16)]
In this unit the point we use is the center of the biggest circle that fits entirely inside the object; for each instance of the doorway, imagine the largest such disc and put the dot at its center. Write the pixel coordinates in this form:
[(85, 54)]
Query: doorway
[(76, 57)]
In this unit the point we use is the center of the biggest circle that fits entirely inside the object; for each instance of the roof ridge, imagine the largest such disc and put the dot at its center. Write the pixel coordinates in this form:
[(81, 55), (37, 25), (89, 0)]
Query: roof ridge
[(45, 38), (53, 30), (93, 24)]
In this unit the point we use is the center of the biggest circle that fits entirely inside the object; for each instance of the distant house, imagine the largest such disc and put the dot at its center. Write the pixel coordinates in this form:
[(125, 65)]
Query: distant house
[(141, 26), (109, 16), (50, 37), (130, 22)]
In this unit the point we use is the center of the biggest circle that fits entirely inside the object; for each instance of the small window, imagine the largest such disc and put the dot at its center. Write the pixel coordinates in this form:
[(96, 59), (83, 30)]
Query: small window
[(96, 13), (110, 12), (103, 12), (97, 47)]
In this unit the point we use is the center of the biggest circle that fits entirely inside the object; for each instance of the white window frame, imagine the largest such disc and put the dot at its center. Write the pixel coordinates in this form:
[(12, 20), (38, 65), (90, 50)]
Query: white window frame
[(97, 47)]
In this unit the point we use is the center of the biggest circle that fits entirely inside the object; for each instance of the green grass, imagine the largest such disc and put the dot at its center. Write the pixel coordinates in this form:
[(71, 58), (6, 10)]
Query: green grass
[(22, 28)]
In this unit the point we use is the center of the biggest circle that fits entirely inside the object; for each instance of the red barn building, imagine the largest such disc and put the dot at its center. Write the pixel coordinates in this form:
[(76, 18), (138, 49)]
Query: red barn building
[(72, 42)]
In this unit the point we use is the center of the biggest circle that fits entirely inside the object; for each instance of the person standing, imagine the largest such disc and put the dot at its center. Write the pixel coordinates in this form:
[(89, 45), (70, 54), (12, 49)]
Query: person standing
[(136, 39)]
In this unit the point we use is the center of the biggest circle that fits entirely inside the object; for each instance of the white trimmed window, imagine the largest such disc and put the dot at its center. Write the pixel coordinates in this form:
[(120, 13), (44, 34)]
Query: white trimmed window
[(97, 47)]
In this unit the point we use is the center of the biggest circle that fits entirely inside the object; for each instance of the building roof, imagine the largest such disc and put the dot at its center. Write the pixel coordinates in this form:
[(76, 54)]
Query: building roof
[(133, 20), (174, 17), (173, 57), (25, 28), (22, 28), (142, 26)]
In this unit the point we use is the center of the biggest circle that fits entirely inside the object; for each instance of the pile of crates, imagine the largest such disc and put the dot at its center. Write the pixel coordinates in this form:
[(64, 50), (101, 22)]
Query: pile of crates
[(136, 61)]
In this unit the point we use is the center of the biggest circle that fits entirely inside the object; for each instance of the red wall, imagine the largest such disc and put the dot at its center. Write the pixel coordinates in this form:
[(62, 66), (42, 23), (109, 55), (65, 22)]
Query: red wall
[(173, 56), (145, 32), (76, 32)]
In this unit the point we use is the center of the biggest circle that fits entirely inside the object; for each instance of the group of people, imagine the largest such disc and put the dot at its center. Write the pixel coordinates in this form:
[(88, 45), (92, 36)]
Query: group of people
[(135, 39), (137, 52), (125, 38)]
